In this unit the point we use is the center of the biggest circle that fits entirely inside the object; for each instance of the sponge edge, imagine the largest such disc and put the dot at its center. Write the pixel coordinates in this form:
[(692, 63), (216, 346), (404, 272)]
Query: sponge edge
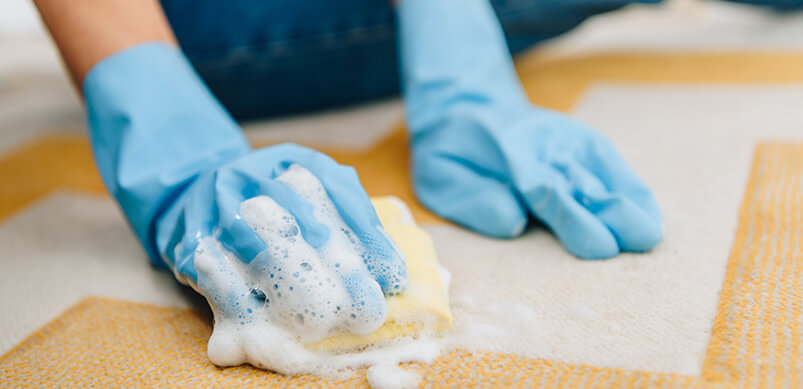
[(424, 305)]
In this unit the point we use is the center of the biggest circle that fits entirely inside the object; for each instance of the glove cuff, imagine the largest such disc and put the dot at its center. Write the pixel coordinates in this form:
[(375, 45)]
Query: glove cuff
[(154, 126)]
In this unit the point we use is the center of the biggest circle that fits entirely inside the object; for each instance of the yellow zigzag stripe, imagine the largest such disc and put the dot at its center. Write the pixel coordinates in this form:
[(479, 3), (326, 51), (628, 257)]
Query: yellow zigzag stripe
[(756, 337), (756, 340)]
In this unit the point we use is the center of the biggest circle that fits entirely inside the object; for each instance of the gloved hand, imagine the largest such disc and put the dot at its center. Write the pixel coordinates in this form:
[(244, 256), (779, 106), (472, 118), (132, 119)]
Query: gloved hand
[(284, 230), (484, 157)]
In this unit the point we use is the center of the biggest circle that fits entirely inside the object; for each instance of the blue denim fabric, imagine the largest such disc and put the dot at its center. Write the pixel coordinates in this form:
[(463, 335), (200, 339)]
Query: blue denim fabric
[(264, 58)]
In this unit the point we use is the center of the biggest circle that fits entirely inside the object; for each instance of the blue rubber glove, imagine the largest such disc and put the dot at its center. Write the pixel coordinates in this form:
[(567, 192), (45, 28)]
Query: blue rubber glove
[(181, 169), (484, 157)]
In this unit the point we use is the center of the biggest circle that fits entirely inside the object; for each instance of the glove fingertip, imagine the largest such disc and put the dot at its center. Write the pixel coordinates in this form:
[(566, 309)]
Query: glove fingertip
[(369, 307), (653, 210), (500, 218), (643, 238), (387, 264), (639, 227), (491, 210), (602, 246)]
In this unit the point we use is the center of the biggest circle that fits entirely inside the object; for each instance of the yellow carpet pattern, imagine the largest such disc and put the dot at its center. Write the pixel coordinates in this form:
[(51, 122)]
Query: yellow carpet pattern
[(758, 331), (756, 340), (104, 343)]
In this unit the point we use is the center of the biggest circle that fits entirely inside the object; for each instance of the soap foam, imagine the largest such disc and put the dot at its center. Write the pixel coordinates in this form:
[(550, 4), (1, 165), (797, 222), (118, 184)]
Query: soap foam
[(581, 311), (490, 326), (293, 293), (386, 376)]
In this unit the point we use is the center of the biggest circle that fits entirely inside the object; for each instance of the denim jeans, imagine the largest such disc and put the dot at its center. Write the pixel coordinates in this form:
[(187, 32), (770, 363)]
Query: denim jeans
[(264, 58)]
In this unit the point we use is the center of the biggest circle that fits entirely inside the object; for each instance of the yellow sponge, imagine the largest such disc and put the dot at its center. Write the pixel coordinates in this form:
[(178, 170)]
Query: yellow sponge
[(424, 306)]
